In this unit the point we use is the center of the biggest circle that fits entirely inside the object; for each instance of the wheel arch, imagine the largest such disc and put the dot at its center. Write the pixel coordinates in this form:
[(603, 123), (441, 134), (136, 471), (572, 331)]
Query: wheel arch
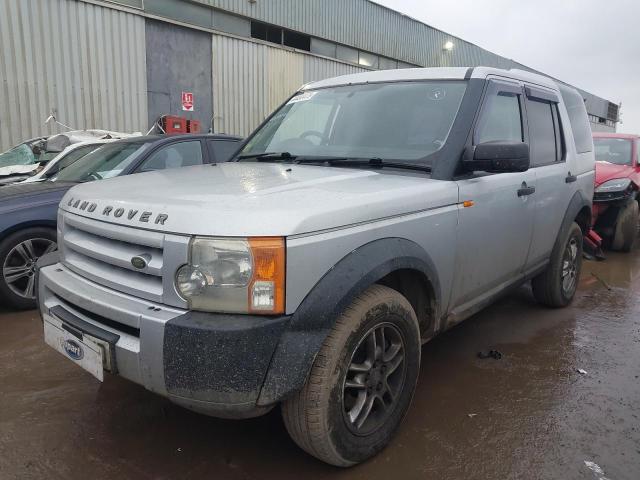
[(394, 262), (28, 224), (579, 211)]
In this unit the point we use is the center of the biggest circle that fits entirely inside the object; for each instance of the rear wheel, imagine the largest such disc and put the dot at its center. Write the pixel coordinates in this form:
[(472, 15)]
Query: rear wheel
[(19, 253), (626, 228), (361, 382), (557, 285)]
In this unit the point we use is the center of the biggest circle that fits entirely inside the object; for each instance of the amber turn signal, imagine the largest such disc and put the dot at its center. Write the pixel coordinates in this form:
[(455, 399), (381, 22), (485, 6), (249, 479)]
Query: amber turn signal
[(267, 286)]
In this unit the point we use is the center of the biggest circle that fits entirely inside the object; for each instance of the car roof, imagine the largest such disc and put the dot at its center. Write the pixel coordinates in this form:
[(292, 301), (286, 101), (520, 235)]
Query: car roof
[(628, 136), (439, 73), (181, 136), (162, 138)]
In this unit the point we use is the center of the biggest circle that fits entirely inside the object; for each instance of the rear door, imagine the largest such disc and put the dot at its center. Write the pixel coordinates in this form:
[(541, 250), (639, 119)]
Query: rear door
[(556, 178), (495, 232)]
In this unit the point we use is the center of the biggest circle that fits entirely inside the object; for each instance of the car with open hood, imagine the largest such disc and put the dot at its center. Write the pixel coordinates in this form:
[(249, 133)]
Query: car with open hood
[(616, 216), (28, 211)]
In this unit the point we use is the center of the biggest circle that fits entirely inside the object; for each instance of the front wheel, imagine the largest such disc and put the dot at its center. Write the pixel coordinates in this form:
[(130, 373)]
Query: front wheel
[(626, 228), (19, 253), (557, 285), (361, 382)]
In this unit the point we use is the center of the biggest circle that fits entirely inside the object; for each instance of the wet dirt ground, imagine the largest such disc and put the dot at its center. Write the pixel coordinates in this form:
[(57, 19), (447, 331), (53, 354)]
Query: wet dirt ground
[(530, 415)]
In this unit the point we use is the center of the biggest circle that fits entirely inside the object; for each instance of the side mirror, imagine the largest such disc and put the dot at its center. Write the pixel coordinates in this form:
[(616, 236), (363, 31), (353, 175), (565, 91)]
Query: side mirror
[(497, 157)]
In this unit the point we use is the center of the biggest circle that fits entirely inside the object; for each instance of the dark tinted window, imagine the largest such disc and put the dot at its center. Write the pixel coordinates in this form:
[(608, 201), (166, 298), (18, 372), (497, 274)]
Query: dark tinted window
[(222, 149), (296, 40), (501, 121), (578, 118), (266, 32), (176, 155), (542, 137)]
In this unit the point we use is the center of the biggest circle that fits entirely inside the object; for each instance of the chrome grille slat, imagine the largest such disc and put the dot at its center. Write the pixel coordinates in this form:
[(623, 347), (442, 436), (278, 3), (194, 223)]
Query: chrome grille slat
[(115, 232), (113, 252), (138, 284), (102, 253)]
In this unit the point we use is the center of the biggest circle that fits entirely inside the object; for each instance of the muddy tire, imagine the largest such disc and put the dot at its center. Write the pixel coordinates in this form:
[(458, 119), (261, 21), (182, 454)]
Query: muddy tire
[(361, 383), (18, 255), (626, 228), (556, 286)]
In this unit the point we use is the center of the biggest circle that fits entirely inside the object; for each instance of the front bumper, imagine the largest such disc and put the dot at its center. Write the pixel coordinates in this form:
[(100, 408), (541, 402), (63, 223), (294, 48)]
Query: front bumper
[(211, 363)]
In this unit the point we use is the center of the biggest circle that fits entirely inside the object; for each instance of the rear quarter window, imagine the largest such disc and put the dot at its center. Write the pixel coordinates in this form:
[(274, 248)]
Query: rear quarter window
[(578, 118)]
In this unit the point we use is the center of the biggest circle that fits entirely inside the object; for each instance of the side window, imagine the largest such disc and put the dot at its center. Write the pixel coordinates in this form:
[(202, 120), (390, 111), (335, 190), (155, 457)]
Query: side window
[(222, 150), (501, 120), (578, 118), (542, 133), (176, 155)]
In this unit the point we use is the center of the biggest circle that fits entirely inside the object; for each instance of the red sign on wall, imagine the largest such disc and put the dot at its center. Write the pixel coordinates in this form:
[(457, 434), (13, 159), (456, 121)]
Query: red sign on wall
[(187, 101)]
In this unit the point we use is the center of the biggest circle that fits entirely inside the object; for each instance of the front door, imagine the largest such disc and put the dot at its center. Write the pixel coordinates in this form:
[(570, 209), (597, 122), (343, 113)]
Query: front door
[(494, 233)]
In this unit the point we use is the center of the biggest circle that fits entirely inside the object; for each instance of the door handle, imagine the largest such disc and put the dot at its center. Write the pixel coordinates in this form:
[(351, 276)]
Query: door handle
[(525, 191), (570, 178)]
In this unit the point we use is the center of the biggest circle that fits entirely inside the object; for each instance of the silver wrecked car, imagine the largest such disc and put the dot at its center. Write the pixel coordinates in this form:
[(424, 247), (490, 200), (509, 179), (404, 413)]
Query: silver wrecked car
[(366, 215)]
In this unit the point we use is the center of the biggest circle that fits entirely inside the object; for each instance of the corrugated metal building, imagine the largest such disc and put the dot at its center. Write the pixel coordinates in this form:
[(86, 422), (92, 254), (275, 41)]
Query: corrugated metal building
[(119, 64)]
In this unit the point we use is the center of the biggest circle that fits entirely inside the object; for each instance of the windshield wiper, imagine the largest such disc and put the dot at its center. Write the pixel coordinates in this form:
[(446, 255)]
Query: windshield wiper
[(267, 156), (364, 162)]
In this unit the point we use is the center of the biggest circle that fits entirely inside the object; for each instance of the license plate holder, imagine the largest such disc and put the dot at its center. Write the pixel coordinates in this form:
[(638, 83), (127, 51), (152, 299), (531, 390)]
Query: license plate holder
[(87, 345)]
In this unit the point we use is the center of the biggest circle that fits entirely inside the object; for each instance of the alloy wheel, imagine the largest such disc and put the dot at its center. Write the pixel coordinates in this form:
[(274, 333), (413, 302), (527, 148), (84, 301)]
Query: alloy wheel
[(570, 268), (374, 379), (19, 268)]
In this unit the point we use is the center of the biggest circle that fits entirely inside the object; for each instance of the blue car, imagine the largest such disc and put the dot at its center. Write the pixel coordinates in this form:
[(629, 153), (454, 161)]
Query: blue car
[(28, 210)]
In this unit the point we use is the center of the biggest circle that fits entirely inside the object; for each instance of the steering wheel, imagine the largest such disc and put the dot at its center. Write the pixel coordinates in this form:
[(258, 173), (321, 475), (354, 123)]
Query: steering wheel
[(95, 176), (312, 133)]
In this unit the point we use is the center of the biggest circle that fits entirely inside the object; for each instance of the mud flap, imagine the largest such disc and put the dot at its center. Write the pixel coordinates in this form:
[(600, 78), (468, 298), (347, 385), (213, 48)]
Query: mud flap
[(592, 246)]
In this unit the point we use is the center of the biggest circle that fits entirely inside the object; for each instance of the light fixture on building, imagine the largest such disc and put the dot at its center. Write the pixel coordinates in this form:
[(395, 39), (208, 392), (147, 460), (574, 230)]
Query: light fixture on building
[(448, 46)]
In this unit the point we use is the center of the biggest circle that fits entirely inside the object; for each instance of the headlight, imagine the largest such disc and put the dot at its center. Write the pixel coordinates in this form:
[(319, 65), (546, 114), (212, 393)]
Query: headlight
[(234, 275), (615, 185)]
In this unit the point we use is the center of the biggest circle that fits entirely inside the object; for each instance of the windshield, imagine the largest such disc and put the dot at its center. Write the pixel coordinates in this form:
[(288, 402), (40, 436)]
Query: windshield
[(20, 155), (404, 121), (27, 154), (105, 162), (613, 150)]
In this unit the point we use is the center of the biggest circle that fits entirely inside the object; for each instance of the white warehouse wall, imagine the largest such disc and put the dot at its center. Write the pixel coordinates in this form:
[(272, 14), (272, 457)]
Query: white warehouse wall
[(85, 61)]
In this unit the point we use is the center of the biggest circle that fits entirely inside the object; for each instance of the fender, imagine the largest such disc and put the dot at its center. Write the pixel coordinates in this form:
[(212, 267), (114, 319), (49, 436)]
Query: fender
[(577, 203), (314, 318)]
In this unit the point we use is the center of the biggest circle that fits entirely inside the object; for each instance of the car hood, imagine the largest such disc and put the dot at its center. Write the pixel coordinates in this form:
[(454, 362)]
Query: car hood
[(606, 171), (18, 169), (26, 195), (257, 199)]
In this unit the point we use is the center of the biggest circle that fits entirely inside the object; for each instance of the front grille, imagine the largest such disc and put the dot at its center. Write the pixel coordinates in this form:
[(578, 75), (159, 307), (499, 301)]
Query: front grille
[(610, 196), (102, 253)]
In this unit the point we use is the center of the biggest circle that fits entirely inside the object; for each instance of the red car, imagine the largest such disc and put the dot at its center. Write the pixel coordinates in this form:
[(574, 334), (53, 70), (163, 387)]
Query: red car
[(615, 203)]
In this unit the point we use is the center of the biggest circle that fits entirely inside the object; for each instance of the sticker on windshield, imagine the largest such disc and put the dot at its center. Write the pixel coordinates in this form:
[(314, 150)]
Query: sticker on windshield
[(303, 97)]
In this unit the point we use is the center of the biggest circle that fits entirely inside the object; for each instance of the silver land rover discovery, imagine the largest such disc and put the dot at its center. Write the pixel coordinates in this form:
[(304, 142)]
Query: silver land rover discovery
[(366, 215)]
